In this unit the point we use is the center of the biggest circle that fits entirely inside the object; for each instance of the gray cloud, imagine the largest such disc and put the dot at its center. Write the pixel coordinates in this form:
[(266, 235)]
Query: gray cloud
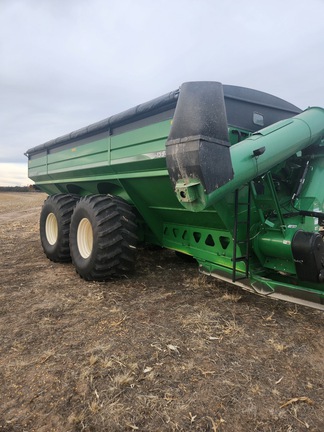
[(67, 64)]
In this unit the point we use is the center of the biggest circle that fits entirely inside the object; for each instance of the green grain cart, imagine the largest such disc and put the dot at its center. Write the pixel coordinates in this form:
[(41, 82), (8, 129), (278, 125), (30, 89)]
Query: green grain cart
[(228, 175)]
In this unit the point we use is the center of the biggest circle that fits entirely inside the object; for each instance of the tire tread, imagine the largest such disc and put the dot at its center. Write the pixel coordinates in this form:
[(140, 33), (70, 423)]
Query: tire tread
[(115, 234)]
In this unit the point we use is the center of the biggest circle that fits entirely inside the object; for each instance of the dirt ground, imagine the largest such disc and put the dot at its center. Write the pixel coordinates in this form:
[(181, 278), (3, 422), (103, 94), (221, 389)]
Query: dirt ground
[(166, 349)]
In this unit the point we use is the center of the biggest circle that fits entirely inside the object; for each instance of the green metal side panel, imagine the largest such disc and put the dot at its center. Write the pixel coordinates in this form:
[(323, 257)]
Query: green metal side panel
[(87, 159), (37, 169), (143, 146)]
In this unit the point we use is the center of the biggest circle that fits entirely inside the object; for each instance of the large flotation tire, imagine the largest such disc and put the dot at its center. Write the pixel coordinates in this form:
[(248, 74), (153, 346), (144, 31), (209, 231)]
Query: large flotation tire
[(55, 219), (103, 237)]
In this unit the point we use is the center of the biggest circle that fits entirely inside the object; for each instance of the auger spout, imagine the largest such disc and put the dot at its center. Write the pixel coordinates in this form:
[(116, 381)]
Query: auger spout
[(204, 167)]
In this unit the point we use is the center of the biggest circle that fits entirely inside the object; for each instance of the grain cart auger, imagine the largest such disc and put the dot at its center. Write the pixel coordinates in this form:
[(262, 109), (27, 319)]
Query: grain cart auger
[(229, 175)]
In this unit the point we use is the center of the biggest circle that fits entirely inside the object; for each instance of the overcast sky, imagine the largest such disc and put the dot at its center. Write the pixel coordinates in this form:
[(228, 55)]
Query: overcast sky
[(68, 63)]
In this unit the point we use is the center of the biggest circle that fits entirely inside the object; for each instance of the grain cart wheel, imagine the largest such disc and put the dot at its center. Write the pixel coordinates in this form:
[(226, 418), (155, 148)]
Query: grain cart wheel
[(54, 224), (102, 237)]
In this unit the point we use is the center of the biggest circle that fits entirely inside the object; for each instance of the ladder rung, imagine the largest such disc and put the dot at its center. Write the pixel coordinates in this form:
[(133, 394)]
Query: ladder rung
[(242, 258), (240, 278)]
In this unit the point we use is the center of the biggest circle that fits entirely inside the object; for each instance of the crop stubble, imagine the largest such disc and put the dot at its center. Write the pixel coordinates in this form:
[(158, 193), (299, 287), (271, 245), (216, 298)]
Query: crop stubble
[(164, 349)]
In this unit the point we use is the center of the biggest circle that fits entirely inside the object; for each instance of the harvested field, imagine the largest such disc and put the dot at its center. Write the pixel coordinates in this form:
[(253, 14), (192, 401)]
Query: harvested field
[(166, 349)]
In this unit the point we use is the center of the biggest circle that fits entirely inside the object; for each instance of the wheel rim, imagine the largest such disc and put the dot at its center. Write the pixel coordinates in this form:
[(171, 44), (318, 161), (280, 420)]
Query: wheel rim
[(51, 229), (85, 238)]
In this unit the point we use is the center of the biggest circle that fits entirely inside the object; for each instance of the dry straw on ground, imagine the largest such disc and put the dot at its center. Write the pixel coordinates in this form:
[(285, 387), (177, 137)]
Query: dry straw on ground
[(162, 350)]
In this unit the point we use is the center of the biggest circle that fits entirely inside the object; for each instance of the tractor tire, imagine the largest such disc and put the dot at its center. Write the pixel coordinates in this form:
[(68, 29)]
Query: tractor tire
[(103, 237), (55, 219)]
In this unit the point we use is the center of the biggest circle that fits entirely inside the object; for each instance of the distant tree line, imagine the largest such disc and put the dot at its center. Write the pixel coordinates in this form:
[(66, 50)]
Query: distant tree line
[(29, 188)]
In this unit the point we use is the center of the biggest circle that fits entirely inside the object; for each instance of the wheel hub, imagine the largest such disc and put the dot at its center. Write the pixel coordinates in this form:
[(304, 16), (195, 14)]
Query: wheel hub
[(51, 229), (85, 238)]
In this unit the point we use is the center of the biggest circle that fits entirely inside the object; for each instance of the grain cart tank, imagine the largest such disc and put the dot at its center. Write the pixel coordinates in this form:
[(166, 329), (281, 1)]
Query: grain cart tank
[(229, 175)]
